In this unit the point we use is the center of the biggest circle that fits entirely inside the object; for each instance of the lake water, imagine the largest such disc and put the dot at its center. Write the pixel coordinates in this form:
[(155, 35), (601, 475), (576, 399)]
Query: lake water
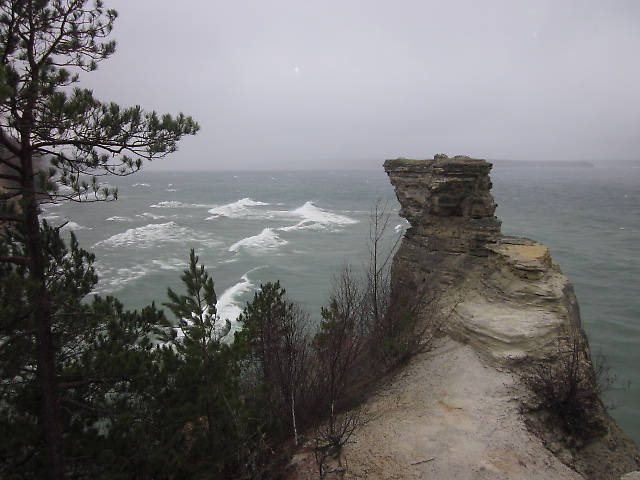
[(301, 227)]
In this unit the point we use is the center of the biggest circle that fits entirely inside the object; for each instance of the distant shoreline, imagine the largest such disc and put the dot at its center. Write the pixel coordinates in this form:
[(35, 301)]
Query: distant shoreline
[(564, 163), (542, 163)]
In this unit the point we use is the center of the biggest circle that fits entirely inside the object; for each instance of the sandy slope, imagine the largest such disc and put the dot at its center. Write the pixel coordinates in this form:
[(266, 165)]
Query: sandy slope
[(452, 407)]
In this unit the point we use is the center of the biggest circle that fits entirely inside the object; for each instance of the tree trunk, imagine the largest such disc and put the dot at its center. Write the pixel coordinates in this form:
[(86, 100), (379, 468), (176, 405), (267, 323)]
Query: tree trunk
[(293, 419), (40, 302)]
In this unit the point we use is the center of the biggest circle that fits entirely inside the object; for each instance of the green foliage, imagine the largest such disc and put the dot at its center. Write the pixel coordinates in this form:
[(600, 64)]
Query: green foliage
[(43, 46), (109, 376), (274, 343), (53, 133), (196, 314)]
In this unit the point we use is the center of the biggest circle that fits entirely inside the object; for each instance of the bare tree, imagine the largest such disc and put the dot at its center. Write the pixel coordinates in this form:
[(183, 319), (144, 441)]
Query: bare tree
[(565, 384), (276, 334)]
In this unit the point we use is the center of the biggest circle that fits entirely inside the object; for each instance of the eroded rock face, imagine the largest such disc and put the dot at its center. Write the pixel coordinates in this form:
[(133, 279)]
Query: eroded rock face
[(504, 295)]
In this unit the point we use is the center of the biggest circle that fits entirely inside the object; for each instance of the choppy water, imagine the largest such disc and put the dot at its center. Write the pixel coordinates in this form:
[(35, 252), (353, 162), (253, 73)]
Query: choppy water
[(300, 227)]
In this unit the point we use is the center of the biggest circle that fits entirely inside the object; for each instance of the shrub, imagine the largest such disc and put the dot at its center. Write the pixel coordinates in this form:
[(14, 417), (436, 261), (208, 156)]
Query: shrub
[(565, 384)]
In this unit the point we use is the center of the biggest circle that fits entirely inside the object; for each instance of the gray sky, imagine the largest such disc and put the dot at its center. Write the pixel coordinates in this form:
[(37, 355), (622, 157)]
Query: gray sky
[(320, 84)]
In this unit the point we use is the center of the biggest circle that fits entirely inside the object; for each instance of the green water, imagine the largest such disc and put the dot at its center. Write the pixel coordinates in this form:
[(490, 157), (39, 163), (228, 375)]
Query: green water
[(301, 227)]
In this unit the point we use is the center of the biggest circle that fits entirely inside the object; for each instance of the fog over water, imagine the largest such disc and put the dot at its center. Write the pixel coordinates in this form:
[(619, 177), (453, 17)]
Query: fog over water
[(284, 83)]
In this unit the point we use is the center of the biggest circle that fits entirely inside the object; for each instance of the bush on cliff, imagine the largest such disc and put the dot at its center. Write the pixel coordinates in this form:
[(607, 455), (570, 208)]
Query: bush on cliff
[(565, 385)]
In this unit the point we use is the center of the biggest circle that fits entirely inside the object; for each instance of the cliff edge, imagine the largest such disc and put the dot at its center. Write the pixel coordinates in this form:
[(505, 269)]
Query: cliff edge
[(505, 298), (460, 410)]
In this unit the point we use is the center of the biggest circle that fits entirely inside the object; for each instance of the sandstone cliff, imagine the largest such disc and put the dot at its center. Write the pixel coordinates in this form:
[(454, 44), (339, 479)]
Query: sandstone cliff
[(510, 298), (503, 304)]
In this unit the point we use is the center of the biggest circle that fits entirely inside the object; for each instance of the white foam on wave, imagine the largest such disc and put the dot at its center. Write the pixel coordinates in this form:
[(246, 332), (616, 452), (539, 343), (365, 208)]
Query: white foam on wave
[(169, 263), (140, 185), (152, 234), (171, 204), (74, 226), (402, 227), (176, 204), (228, 306), (151, 216), (316, 218), (171, 190), (116, 218), (265, 241), (112, 280), (238, 209)]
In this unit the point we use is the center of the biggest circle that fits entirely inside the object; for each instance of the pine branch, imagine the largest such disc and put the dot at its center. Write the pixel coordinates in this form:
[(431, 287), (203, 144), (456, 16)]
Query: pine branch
[(14, 259)]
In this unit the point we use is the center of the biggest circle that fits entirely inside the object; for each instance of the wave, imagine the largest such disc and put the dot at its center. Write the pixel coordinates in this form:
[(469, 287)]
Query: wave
[(113, 279), (228, 306), (116, 218), (72, 226), (402, 227), (140, 185), (236, 209), (171, 190), (151, 216), (154, 233), (316, 218), (169, 264), (171, 204), (265, 241)]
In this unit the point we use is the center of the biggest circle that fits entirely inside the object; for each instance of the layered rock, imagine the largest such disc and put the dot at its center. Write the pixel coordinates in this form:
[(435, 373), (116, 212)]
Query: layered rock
[(504, 295), (455, 410)]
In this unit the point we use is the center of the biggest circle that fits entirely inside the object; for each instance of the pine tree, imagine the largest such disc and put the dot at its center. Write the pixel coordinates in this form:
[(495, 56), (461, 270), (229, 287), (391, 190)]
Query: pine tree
[(110, 375), (275, 340), (44, 44), (206, 378)]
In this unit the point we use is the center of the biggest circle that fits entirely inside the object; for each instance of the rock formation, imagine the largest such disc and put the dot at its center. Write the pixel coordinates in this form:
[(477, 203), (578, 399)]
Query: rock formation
[(503, 305), (510, 298), (502, 295)]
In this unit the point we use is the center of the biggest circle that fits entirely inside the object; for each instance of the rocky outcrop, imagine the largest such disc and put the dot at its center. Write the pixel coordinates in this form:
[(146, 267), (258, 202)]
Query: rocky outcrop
[(510, 298), (502, 295), (503, 305)]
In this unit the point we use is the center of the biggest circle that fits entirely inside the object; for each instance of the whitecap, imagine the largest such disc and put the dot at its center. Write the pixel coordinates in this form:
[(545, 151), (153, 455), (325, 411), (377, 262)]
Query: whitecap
[(265, 241), (176, 204), (151, 216), (171, 204), (303, 225), (402, 227), (238, 209), (171, 190), (116, 218), (169, 264), (228, 306), (74, 226), (113, 279), (152, 234), (316, 218), (140, 185)]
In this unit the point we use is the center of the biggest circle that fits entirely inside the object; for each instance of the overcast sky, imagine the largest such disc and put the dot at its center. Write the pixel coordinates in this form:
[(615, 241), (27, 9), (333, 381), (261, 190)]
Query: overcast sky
[(320, 84)]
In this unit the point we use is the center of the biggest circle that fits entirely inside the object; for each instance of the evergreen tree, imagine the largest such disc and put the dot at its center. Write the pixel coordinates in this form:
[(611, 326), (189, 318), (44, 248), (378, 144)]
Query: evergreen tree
[(275, 342), (206, 399), (111, 379), (43, 46)]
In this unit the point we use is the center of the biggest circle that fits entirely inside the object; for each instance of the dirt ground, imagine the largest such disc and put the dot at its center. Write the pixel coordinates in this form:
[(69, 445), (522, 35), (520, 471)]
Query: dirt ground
[(448, 415)]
